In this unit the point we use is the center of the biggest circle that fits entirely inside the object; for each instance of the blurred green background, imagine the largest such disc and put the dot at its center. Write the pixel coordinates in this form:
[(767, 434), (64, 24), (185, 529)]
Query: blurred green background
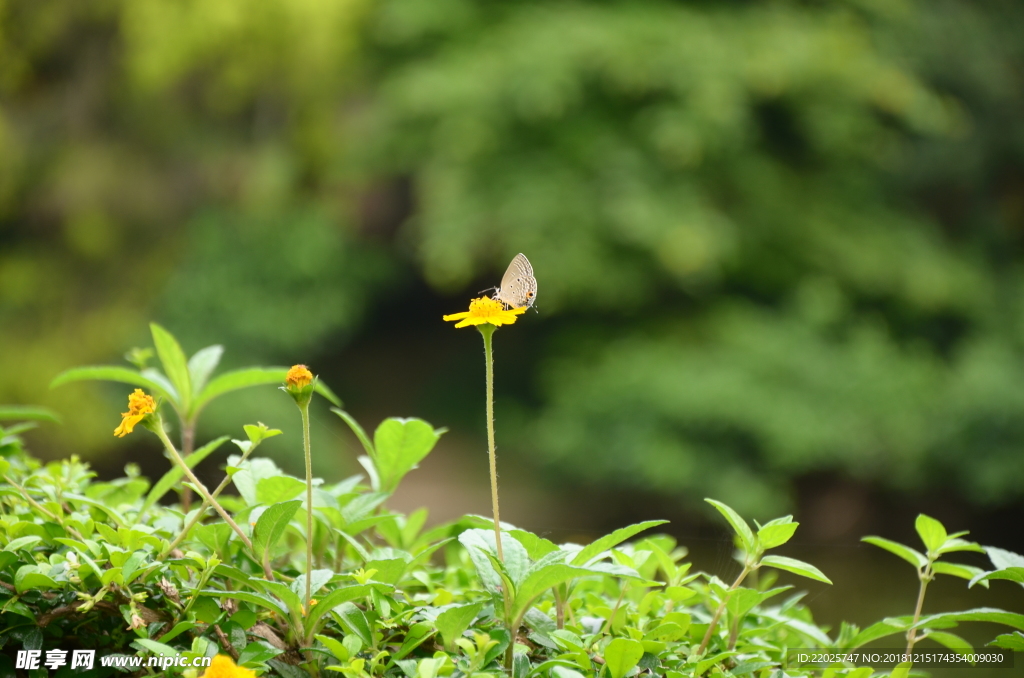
[(779, 245)]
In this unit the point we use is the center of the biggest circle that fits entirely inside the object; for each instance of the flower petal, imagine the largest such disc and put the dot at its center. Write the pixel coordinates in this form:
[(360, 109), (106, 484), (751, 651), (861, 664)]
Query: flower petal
[(128, 424)]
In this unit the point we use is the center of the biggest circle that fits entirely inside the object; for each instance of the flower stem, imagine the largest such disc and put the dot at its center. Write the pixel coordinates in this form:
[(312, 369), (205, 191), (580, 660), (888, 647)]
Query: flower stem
[(158, 428), (487, 330), (205, 505), (38, 507), (188, 436), (721, 609), (304, 409), (925, 577)]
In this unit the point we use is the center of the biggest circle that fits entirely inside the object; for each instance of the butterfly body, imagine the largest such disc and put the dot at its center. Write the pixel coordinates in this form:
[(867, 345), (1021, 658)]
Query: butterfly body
[(518, 286)]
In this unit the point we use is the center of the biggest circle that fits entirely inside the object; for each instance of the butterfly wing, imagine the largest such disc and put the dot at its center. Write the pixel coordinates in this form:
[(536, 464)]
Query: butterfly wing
[(518, 286)]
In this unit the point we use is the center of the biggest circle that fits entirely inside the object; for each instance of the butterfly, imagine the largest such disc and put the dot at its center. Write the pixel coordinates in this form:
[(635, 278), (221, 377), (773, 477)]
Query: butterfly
[(518, 286)]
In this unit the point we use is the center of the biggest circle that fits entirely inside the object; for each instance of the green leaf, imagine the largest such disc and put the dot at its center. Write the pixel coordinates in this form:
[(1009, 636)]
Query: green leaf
[(968, 572), (901, 670), (796, 567), (952, 641), (123, 375), (621, 655), (23, 543), (776, 532), (251, 472), (738, 524), (704, 665), (338, 597), (114, 515), (172, 477), (429, 667), (206, 611), (252, 376), (612, 540), (154, 647), (281, 591), (335, 647), (536, 547), (175, 364), (257, 599), (1002, 558), (239, 379), (389, 570), (257, 652), (272, 524), (1010, 574), (178, 629), (322, 388), (357, 430), (27, 413), (201, 365), (912, 556), (28, 577), (354, 621), (1010, 641), (112, 575), (400, 444), (260, 432), (931, 531), (953, 544), (416, 635), (480, 543), (539, 581), (317, 580), (750, 666), (743, 600), (981, 614), (453, 621), (278, 489)]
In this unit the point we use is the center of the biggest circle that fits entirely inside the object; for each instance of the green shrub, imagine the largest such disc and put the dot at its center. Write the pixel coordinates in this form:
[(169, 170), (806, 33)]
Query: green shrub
[(104, 566)]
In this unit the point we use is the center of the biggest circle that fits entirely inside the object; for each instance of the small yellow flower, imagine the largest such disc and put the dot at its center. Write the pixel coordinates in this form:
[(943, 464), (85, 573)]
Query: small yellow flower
[(299, 376), (139, 405), (486, 310), (223, 666), (298, 383), (313, 602)]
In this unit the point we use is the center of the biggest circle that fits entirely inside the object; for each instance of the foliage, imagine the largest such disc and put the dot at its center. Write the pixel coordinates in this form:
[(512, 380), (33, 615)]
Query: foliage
[(779, 237), (99, 565)]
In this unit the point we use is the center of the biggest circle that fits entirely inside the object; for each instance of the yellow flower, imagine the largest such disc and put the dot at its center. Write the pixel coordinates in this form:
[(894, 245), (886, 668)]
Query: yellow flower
[(139, 405), (313, 602), (299, 376), (223, 666), (486, 310)]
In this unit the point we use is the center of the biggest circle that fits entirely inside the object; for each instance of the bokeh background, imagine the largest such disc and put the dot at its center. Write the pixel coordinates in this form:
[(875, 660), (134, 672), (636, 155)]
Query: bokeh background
[(779, 246)]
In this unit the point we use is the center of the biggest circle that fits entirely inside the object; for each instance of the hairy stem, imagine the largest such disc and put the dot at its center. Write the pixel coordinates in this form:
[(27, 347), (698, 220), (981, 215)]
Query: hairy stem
[(925, 577), (487, 330), (159, 430), (205, 505), (188, 436), (304, 409), (721, 609), (38, 507)]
